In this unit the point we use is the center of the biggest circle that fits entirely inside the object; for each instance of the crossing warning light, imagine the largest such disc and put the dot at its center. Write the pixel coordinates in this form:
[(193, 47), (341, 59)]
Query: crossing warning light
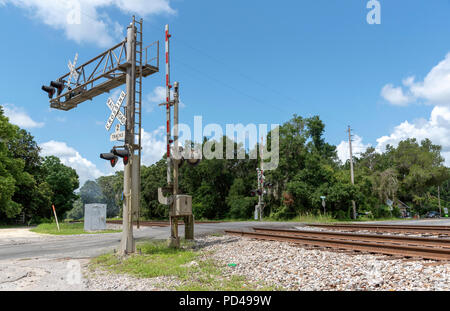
[(59, 85), (50, 91), (109, 157), (124, 154)]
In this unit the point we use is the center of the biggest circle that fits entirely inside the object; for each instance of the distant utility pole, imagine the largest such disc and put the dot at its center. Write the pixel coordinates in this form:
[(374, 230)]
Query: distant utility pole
[(351, 167), (439, 200)]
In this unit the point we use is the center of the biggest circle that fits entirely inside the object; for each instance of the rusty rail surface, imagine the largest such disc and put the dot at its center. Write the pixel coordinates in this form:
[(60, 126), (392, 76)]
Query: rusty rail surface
[(437, 230), (393, 239), (381, 247)]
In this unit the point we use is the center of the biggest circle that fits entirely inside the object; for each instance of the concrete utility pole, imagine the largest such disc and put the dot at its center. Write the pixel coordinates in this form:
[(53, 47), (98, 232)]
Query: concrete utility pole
[(127, 244), (351, 167)]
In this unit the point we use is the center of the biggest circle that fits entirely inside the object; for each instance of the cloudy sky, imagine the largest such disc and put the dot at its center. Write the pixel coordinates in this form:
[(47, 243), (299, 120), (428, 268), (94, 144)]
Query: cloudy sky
[(237, 62)]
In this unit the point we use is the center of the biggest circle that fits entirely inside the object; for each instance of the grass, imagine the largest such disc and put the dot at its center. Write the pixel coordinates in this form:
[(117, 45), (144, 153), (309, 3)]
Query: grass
[(189, 266), (309, 218), (66, 229)]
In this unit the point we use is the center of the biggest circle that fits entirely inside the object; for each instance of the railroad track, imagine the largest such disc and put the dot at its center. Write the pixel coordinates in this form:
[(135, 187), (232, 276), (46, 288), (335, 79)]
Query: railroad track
[(434, 230), (157, 223), (426, 248)]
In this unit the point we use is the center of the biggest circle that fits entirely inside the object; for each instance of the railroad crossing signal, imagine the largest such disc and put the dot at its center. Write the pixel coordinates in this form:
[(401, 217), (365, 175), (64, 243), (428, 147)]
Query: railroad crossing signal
[(115, 111), (110, 157), (73, 72), (124, 154), (50, 91)]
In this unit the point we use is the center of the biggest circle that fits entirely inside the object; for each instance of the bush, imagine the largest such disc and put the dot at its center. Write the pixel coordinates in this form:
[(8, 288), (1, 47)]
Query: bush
[(241, 207)]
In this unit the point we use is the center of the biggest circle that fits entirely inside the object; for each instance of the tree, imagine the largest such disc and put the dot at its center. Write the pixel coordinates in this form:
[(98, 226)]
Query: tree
[(91, 193), (111, 190), (12, 175), (63, 181)]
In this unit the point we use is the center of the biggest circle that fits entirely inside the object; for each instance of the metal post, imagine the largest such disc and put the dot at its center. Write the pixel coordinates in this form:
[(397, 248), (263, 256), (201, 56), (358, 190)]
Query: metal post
[(351, 168), (127, 244), (168, 87)]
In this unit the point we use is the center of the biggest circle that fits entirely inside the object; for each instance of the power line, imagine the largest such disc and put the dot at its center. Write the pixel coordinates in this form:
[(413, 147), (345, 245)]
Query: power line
[(209, 77), (227, 66)]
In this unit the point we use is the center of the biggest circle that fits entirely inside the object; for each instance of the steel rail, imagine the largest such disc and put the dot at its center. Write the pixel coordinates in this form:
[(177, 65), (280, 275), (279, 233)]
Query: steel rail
[(371, 247), (388, 228), (420, 241)]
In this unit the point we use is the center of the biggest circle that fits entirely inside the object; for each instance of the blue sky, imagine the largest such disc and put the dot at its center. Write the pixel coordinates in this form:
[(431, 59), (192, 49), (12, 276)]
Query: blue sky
[(239, 62)]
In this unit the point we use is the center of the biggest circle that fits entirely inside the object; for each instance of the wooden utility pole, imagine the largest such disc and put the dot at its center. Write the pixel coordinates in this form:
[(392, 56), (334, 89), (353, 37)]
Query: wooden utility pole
[(351, 167)]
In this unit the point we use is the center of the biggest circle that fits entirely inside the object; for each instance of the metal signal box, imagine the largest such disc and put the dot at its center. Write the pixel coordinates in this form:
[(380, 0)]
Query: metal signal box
[(183, 205)]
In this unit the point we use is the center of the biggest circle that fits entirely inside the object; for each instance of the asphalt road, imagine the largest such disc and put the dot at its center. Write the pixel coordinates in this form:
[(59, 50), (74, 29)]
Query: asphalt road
[(91, 245)]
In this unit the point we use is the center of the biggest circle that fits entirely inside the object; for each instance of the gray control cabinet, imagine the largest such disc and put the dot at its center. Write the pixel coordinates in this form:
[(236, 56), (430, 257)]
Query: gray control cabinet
[(94, 217), (183, 205)]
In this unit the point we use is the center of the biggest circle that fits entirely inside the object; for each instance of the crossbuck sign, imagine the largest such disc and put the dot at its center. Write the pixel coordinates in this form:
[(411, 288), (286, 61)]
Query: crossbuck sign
[(115, 111)]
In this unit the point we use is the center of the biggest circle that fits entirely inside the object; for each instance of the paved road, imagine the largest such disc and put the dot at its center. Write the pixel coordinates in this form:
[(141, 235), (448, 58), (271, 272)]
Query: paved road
[(32, 245)]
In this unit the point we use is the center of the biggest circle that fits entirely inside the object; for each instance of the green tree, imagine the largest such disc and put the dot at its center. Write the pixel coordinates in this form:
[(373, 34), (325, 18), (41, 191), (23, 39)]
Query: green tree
[(63, 181)]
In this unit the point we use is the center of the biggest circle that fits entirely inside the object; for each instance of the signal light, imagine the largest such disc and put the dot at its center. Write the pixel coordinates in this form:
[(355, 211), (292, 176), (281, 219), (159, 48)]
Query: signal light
[(59, 85), (50, 90), (268, 184), (124, 154), (110, 157)]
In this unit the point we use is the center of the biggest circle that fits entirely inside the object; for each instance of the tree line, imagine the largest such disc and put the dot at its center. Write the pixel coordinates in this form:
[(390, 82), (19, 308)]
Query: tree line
[(407, 175), (29, 183)]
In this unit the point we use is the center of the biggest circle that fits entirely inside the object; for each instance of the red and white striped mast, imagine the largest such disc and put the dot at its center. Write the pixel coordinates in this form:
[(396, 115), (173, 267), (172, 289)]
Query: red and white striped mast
[(168, 87)]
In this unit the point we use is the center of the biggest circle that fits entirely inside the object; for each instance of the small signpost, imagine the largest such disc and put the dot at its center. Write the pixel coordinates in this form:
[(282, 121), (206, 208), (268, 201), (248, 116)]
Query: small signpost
[(115, 111), (117, 135), (323, 203)]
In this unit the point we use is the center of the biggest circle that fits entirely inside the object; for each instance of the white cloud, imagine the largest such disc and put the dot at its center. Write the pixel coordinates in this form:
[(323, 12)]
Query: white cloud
[(395, 95), (86, 170), (158, 96), (433, 90), (343, 150), (19, 117), (95, 25), (153, 145), (437, 129)]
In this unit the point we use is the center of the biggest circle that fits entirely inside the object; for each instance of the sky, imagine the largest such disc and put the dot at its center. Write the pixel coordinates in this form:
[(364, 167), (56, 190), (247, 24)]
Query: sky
[(245, 62)]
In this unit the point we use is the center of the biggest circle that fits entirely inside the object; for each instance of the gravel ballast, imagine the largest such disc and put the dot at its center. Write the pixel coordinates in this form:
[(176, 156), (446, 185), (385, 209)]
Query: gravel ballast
[(290, 267)]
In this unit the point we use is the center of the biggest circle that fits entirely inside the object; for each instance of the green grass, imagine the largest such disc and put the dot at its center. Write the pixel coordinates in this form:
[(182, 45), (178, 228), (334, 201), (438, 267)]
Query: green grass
[(66, 229), (309, 218), (186, 264)]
